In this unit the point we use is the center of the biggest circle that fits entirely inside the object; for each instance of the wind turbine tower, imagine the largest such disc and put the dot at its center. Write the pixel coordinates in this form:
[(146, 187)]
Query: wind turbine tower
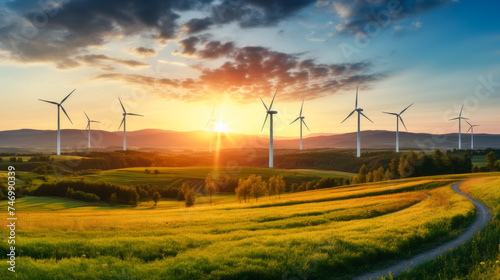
[(59, 107), (360, 113), (301, 118), (460, 118), (88, 125), (398, 118), (124, 123), (471, 128), (211, 128), (270, 113)]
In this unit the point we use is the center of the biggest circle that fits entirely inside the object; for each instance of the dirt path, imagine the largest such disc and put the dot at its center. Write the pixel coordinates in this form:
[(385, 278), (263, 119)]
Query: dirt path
[(482, 218)]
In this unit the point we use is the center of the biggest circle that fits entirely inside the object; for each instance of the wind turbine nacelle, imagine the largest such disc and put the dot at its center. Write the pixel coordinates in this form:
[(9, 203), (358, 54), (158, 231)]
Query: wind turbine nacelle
[(272, 112), (359, 110)]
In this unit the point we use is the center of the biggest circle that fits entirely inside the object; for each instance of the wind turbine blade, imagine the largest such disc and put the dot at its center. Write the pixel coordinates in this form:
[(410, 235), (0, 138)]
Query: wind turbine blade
[(348, 116), (213, 111), (403, 122), (264, 104), (95, 121), (304, 122), (132, 114), (264, 122), (51, 102), (301, 108), (122, 105), (468, 123), (469, 129), (461, 111), (390, 113), (88, 125), (405, 109), (67, 96), (121, 123), (365, 116), (271, 106), (66, 114), (356, 97), (453, 119), (295, 120), (86, 116), (464, 118), (207, 123)]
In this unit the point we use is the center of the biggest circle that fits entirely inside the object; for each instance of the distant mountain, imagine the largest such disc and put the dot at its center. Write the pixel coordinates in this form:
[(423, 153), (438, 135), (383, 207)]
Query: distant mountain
[(44, 140)]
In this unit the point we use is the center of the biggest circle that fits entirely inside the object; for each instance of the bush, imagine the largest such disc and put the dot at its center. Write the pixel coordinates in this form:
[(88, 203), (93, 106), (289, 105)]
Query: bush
[(104, 190), (80, 195)]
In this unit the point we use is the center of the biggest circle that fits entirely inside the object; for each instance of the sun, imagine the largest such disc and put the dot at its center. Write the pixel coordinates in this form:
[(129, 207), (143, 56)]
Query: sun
[(221, 127)]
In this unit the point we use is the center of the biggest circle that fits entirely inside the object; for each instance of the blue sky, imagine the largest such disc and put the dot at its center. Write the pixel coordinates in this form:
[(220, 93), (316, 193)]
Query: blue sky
[(433, 54)]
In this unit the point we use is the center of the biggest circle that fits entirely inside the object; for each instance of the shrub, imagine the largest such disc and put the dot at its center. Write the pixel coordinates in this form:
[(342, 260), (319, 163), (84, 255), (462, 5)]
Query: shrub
[(80, 195)]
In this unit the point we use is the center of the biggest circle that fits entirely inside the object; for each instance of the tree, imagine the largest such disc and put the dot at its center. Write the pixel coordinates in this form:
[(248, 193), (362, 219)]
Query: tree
[(369, 177), (156, 197), (243, 190), (147, 171), (189, 195), (280, 185), (271, 186), (258, 188), (113, 199), (362, 174), (157, 172), (210, 187), (491, 160)]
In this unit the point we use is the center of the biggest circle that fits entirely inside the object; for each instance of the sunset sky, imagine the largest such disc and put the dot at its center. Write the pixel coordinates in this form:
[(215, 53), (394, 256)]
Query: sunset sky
[(173, 61)]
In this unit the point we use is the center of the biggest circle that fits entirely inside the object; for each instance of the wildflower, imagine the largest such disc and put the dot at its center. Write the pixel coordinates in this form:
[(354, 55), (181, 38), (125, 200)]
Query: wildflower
[(481, 263)]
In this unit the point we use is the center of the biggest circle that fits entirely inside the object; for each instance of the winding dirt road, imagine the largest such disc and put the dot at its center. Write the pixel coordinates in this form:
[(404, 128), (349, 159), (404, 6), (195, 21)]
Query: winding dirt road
[(482, 218)]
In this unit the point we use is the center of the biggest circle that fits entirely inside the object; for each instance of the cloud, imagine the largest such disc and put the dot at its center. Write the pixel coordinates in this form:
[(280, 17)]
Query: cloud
[(252, 71), (143, 52), (403, 29), (99, 60), (196, 25), (358, 15), (56, 31)]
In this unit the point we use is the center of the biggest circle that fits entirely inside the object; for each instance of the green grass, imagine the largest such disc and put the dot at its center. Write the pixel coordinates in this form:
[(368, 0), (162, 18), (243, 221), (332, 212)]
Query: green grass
[(176, 175), (338, 232)]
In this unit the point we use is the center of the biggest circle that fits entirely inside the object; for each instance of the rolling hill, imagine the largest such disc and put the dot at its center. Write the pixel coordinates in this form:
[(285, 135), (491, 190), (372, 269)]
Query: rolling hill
[(33, 140)]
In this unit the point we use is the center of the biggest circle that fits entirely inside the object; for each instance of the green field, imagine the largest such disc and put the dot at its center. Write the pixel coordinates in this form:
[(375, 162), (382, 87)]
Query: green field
[(338, 232)]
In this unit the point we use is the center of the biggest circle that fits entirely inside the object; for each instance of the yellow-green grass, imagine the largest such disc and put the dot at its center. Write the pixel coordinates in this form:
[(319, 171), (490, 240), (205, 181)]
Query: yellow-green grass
[(331, 232), (479, 258)]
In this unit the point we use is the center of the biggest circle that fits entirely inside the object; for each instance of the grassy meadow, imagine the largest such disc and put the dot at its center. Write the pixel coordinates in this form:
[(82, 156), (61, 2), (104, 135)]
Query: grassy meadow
[(331, 233)]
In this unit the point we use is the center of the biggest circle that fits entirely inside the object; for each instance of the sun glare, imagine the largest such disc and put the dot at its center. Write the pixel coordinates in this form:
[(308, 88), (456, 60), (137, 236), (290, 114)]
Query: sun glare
[(221, 127)]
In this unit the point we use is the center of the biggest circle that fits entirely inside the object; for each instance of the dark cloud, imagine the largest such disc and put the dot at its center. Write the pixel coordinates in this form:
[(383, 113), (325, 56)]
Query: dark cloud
[(143, 52), (252, 71), (360, 15), (253, 13), (210, 49), (196, 25)]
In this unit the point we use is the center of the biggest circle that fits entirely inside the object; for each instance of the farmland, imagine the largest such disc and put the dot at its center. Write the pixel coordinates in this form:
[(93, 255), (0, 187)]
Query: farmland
[(329, 233)]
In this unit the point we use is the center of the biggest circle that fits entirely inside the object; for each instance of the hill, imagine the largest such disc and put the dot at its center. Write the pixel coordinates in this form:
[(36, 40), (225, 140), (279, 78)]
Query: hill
[(71, 139)]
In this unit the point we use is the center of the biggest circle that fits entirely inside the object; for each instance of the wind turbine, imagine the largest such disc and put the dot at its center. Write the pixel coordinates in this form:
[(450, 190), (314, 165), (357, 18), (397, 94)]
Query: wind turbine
[(398, 117), (459, 118), (124, 124), (211, 127), (270, 113), (59, 106), (88, 125), (301, 122), (471, 128), (360, 113)]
